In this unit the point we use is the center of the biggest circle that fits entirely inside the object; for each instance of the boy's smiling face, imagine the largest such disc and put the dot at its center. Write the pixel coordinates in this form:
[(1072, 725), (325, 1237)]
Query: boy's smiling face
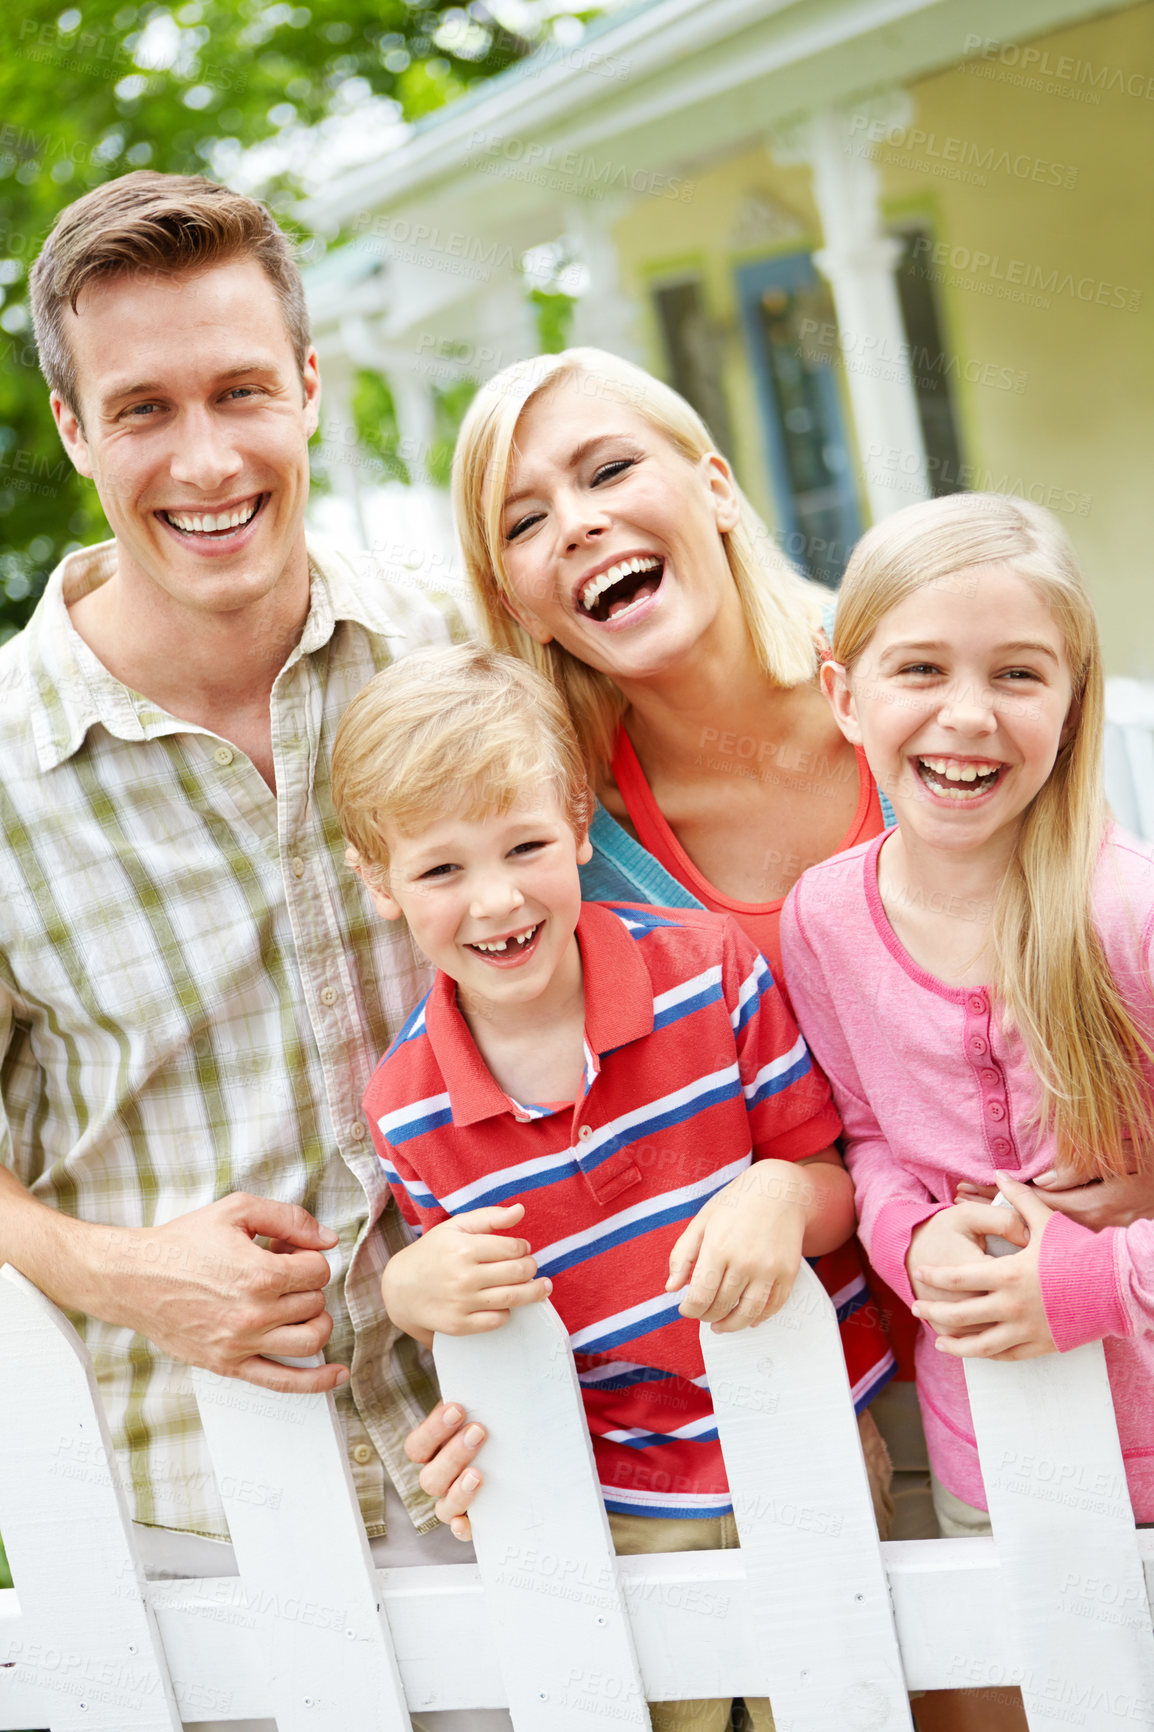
[(493, 901)]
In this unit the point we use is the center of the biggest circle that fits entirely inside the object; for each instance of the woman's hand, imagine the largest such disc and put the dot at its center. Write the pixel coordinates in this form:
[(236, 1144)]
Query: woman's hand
[(744, 1246), (462, 1277), (1100, 1203), (984, 1307)]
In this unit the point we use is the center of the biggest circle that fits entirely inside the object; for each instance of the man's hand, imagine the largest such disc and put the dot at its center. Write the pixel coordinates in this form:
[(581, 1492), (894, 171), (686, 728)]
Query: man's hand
[(200, 1287), (1100, 1203), (463, 1276), (987, 1307), (743, 1248), (446, 1445)]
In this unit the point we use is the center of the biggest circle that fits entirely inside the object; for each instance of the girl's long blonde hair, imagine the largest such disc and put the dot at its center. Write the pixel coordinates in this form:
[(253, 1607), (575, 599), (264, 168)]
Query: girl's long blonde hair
[(1050, 970), (782, 610)]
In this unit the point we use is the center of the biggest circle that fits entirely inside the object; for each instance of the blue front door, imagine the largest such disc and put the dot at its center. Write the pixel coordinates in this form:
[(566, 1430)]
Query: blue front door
[(788, 321)]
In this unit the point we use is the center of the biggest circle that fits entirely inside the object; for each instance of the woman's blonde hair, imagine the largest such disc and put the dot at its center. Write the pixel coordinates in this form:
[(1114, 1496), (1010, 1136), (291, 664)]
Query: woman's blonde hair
[(446, 729), (1050, 971), (782, 610)]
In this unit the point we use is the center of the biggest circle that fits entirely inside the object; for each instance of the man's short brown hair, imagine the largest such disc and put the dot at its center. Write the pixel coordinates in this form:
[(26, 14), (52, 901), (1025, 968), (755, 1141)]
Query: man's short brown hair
[(161, 223)]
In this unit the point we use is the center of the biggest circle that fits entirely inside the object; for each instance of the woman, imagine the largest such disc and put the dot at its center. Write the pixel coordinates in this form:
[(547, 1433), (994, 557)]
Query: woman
[(608, 544)]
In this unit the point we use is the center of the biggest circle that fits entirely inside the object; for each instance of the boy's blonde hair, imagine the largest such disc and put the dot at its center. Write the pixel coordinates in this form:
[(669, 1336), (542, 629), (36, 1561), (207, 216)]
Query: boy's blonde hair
[(446, 728), (783, 611), (1050, 970)]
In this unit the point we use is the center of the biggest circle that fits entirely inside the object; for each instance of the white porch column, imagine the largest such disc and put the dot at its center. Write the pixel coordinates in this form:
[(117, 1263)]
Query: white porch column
[(338, 440), (859, 261), (603, 316)]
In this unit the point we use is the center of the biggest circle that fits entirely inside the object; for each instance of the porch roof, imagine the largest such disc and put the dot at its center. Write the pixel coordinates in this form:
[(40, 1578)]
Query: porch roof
[(671, 84)]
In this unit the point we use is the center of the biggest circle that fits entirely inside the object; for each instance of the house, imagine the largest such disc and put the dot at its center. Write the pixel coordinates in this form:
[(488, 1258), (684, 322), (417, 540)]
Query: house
[(887, 247)]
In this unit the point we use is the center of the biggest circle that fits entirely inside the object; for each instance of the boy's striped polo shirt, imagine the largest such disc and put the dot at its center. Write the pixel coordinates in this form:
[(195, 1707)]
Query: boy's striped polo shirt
[(694, 1066)]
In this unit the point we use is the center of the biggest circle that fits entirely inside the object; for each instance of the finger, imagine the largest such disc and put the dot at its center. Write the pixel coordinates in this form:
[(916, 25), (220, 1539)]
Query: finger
[(1033, 1210), (434, 1431), (726, 1298), (491, 1248), (267, 1374), (288, 1222), (970, 1279), (953, 1317), (298, 1340), (967, 1192), (442, 1468), (453, 1507), (752, 1308), (504, 1299), (988, 1344), (495, 1218), (684, 1254), (296, 1271), (509, 1273)]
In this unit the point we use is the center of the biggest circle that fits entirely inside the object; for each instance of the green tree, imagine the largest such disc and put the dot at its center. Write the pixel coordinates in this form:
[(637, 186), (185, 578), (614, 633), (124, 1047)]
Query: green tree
[(104, 87)]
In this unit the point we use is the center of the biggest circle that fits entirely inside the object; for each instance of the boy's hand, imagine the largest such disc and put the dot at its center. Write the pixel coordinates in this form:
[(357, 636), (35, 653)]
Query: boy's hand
[(463, 1276), (744, 1248), (989, 1307)]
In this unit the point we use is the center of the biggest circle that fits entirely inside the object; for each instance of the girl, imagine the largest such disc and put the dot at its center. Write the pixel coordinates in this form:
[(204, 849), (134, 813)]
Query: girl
[(976, 982)]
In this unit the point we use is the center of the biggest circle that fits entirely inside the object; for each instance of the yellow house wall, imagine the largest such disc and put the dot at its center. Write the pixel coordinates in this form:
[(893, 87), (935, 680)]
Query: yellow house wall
[(1056, 190)]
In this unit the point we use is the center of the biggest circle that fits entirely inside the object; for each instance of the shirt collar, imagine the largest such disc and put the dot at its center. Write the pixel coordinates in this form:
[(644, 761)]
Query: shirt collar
[(70, 691), (618, 1009)]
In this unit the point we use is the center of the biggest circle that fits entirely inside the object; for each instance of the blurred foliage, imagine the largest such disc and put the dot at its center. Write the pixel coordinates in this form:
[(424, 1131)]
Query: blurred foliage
[(553, 314), (103, 87)]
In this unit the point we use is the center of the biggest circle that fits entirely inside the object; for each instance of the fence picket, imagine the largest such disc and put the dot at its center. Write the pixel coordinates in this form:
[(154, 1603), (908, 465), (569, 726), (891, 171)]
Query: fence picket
[(1059, 1603), (88, 1651), (305, 1568), (1067, 1546), (541, 1533), (809, 1540)]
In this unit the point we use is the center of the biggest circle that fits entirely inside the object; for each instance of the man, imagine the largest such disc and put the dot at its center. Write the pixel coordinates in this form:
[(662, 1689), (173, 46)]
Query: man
[(192, 989)]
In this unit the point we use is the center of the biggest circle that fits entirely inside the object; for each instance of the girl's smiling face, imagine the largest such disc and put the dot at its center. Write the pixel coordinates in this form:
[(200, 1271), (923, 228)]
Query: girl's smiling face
[(961, 700), (611, 539)]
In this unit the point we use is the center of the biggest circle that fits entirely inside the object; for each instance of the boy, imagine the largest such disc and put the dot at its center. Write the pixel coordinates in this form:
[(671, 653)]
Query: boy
[(604, 1073)]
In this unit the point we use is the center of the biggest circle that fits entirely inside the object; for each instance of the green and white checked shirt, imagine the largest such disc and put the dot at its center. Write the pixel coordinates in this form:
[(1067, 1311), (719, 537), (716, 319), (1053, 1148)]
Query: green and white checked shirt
[(194, 991)]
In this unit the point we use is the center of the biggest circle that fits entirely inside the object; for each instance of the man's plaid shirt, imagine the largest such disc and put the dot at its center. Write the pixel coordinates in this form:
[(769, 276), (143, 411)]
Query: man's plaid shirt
[(194, 992)]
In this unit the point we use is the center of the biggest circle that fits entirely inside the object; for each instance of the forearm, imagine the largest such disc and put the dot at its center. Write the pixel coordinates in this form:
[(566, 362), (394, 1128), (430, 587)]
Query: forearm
[(73, 1262), (829, 1208), (402, 1296)]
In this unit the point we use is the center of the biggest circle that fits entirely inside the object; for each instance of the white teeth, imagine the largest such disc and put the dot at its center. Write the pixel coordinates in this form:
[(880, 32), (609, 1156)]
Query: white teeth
[(606, 579), (958, 772), (204, 522), (502, 944)]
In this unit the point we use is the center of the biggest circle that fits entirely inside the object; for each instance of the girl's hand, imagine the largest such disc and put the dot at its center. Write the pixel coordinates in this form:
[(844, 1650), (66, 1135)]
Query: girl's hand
[(463, 1276), (1001, 1315), (745, 1245), (953, 1238)]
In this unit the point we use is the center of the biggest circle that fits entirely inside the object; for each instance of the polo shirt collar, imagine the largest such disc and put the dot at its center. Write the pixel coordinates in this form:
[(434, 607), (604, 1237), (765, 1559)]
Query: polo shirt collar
[(69, 690), (618, 1009)]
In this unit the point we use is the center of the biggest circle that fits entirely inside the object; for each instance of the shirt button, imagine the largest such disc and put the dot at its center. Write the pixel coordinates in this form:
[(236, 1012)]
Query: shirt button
[(990, 1076), (996, 1110), (978, 1046), (362, 1454), (585, 1133), (298, 866), (1001, 1145), (358, 1132), (328, 995), (222, 755), (978, 1002), (522, 1118)]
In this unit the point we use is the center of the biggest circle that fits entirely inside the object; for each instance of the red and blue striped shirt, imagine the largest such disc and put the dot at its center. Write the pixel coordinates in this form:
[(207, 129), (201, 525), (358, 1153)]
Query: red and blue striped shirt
[(693, 1068)]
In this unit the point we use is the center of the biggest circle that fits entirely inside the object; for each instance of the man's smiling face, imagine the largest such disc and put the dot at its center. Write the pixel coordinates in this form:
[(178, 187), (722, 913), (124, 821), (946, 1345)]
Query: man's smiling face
[(195, 421)]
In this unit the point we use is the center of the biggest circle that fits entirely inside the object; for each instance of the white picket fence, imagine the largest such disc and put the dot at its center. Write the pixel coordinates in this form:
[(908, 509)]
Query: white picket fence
[(811, 1612)]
